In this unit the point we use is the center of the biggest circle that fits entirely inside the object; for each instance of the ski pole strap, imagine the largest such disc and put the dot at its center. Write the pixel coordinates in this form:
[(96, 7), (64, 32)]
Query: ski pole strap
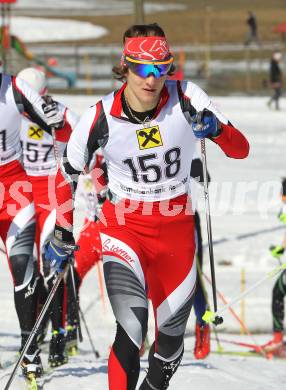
[(211, 317)]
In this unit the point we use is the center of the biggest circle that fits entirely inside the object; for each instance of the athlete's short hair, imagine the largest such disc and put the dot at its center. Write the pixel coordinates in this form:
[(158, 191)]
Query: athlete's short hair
[(139, 30)]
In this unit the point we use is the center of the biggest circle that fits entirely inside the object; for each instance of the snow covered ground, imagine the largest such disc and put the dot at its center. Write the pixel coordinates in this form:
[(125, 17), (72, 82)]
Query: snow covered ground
[(40, 30), (244, 202)]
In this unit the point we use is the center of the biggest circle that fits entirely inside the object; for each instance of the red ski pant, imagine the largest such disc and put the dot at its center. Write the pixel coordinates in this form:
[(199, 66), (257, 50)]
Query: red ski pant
[(16, 209), (17, 231), (150, 255), (90, 248)]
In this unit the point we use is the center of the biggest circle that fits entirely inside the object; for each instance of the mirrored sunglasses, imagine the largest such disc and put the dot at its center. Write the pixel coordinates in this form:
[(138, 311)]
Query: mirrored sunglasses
[(146, 69)]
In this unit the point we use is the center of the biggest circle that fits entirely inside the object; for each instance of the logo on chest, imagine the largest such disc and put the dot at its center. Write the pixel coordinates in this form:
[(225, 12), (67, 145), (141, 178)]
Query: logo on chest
[(149, 137), (35, 132), (88, 185)]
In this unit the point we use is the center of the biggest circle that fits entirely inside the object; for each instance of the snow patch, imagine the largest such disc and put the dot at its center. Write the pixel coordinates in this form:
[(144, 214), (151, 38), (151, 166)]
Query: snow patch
[(44, 30)]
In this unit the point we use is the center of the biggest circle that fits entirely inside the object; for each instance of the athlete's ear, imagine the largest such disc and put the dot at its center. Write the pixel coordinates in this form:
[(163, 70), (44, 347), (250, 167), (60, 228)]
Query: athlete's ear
[(122, 61)]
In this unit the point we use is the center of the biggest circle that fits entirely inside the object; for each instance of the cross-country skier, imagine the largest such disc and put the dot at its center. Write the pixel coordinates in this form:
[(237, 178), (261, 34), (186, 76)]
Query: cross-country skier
[(92, 188), (17, 214), (202, 329), (39, 160), (147, 131), (279, 289)]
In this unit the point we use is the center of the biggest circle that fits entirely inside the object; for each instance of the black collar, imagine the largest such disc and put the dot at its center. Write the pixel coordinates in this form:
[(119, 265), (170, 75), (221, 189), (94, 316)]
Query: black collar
[(140, 115)]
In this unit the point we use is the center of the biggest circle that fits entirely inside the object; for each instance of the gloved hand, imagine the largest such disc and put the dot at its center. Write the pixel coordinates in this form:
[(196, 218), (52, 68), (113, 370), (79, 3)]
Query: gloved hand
[(277, 251), (204, 124), (282, 217), (58, 253), (54, 117)]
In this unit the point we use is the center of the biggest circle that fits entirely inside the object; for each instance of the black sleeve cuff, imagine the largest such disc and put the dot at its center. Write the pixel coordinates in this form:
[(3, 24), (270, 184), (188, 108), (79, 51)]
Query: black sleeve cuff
[(63, 235)]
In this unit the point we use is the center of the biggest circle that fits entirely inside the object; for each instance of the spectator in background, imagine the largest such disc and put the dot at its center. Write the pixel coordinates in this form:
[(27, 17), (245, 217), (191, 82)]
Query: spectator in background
[(275, 79), (252, 33)]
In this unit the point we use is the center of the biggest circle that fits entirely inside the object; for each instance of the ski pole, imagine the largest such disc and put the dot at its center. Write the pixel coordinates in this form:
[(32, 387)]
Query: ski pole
[(89, 306), (242, 344), (196, 117), (256, 348), (210, 316), (217, 319), (95, 352), (37, 325), (242, 324), (57, 157), (224, 300), (76, 304), (200, 273)]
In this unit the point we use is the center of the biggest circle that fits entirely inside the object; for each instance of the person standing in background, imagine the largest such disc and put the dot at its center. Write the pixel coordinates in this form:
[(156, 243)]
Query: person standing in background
[(252, 33), (275, 79)]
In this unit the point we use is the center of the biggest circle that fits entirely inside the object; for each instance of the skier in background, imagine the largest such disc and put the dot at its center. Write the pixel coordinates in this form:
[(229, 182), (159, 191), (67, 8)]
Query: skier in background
[(279, 289), (17, 213), (93, 188), (147, 132), (40, 164)]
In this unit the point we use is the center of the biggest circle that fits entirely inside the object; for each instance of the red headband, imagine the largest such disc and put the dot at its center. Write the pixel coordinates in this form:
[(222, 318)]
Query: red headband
[(147, 48)]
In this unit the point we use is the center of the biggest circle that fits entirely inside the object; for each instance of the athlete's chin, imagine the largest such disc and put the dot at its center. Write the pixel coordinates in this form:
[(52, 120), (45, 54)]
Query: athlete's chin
[(149, 96)]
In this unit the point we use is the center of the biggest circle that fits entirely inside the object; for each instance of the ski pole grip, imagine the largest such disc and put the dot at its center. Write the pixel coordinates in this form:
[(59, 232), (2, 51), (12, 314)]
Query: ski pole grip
[(210, 318)]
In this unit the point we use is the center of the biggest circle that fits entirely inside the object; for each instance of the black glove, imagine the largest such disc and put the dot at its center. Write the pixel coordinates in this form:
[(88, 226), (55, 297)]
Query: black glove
[(54, 117), (59, 252), (205, 124)]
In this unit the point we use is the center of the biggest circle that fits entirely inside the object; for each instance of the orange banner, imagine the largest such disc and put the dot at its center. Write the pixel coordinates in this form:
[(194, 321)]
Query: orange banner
[(5, 37)]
